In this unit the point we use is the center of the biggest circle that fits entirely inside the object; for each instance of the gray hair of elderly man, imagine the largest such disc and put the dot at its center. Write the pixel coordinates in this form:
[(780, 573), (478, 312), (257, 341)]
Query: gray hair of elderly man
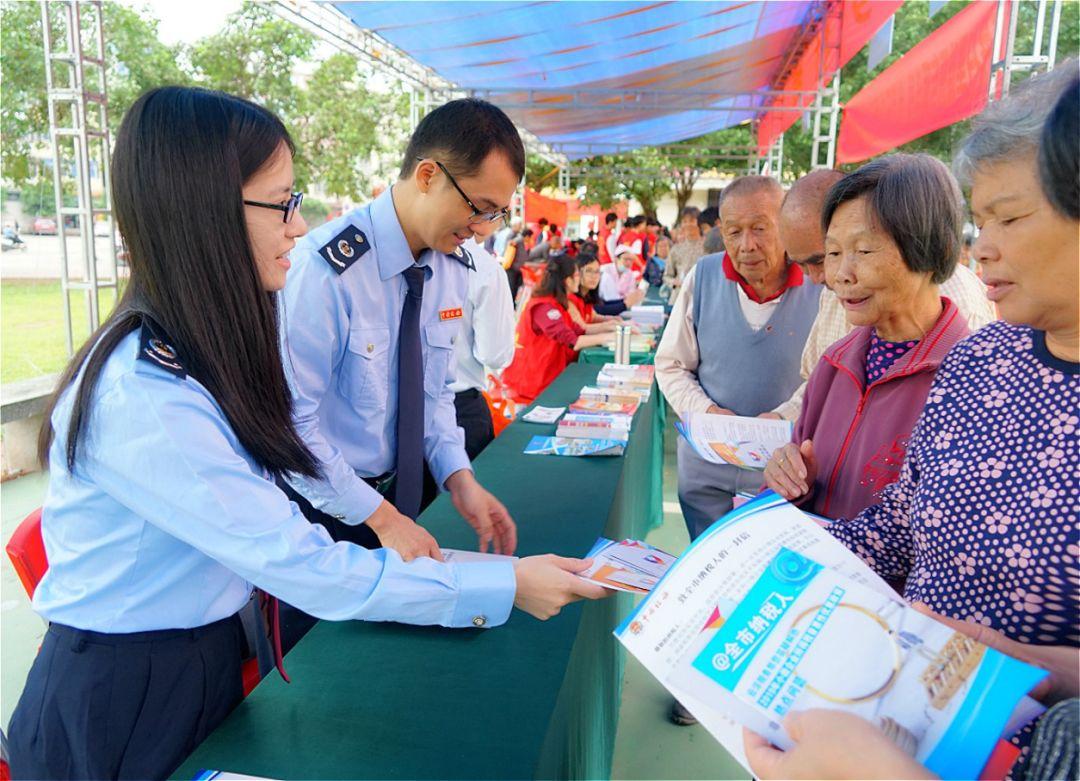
[(714, 241), (1013, 126)]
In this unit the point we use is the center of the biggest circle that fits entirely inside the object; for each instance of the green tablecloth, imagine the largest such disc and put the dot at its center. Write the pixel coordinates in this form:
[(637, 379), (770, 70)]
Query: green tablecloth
[(530, 699)]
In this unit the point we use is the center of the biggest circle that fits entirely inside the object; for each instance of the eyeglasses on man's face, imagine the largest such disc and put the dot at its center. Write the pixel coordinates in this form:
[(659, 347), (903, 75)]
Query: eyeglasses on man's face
[(290, 207), (477, 215)]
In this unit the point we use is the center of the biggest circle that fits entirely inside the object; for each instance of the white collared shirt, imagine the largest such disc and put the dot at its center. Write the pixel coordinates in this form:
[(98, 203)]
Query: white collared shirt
[(486, 339)]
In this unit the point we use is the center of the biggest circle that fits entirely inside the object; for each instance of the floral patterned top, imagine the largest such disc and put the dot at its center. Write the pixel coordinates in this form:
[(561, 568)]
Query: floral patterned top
[(983, 522), (881, 355)]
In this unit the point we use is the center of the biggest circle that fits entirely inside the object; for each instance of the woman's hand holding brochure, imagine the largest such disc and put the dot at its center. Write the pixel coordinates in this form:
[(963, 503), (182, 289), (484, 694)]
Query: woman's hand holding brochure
[(830, 744), (791, 470)]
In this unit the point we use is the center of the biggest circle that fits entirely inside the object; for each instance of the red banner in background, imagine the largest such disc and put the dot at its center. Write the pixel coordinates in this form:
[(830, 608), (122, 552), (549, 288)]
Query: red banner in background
[(845, 33), (862, 19), (945, 78), (537, 206)]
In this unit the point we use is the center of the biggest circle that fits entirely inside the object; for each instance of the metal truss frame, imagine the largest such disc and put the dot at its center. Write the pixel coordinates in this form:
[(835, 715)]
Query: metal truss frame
[(75, 84)]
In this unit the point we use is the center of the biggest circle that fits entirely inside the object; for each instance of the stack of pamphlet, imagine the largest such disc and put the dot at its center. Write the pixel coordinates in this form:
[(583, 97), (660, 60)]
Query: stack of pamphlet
[(639, 343), (599, 422), (648, 314), (594, 426), (621, 395), (601, 407), (620, 377)]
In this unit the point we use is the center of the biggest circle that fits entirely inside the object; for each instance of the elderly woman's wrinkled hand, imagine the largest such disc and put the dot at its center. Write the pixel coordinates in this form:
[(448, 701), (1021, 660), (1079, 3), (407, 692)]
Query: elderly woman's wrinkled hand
[(792, 470)]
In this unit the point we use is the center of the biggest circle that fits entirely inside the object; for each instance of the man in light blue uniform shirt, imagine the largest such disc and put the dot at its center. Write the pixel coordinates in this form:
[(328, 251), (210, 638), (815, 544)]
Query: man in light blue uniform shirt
[(346, 332)]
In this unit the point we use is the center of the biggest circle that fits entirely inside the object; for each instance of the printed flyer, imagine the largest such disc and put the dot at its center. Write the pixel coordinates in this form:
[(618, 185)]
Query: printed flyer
[(565, 446), (730, 439), (766, 613), (629, 565)]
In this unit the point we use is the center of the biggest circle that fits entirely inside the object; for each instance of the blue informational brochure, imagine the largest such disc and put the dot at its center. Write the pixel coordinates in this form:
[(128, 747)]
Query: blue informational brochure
[(566, 446), (766, 613)]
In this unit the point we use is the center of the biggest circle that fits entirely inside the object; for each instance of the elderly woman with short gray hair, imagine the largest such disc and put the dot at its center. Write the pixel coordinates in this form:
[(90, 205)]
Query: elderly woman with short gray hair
[(982, 524), (892, 234)]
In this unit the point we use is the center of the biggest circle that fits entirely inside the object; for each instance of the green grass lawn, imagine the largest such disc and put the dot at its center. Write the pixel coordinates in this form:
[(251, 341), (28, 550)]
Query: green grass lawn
[(32, 327)]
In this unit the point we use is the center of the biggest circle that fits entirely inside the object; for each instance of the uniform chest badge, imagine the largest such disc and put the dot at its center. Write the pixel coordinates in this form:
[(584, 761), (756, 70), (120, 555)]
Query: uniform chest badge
[(345, 249), (450, 314)]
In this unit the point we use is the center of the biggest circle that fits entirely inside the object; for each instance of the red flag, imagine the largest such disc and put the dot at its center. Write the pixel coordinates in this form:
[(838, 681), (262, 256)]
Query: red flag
[(944, 79), (852, 27)]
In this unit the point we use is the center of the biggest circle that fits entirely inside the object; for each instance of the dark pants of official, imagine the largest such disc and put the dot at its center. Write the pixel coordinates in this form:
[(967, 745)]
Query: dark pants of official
[(124, 705), (474, 417), (514, 276)]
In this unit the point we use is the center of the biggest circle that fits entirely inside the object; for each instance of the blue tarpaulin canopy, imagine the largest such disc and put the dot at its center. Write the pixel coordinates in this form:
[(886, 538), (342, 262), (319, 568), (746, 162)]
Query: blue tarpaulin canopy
[(599, 76)]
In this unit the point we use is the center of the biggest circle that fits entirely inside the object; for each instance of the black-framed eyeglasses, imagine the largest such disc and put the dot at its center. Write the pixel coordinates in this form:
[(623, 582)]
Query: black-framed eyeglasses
[(477, 215), (289, 207)]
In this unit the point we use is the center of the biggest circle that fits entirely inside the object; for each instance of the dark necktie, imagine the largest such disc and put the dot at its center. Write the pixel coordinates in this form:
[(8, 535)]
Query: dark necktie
[(410, 409)]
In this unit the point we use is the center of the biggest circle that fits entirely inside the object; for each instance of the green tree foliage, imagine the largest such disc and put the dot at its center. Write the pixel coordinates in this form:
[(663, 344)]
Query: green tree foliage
[(346, 130), (254, 56), (136, 60), (346, 133)]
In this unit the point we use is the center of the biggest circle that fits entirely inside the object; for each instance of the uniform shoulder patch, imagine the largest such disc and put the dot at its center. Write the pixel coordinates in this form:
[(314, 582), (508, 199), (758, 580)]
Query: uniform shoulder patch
[(156, 348), (463, 256), (345, 249), (554, 314)]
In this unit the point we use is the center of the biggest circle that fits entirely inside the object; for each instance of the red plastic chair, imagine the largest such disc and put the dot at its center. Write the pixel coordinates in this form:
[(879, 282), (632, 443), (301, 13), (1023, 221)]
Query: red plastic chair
[(26, 550)]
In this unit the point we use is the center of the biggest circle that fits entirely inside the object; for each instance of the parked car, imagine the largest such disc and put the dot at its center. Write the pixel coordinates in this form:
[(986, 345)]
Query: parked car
[(43, 226)]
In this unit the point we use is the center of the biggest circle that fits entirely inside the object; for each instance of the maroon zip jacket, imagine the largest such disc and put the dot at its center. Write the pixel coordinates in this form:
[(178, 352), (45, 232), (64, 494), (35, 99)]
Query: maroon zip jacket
[(861, 434)]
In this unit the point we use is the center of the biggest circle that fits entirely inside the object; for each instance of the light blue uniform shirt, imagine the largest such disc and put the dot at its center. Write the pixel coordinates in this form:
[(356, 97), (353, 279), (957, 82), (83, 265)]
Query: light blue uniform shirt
[(166, 523), (343, 301)]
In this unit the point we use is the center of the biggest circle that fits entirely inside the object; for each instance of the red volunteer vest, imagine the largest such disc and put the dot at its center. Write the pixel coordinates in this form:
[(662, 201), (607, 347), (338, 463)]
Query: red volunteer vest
[(538, 359)]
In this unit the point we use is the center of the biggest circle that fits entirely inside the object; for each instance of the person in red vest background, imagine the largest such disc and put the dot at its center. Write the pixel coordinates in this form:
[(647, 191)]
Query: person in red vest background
[(607, 238), (633, 236), (548, 338)]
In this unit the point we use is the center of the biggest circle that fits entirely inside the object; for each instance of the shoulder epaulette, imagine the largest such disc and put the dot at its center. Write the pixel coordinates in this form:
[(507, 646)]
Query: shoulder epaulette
[(462, 256), (156, 348), (345, 249)]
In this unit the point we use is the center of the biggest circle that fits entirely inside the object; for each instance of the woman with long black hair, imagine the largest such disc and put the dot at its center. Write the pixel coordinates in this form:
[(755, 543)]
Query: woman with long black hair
[(548, 336), (163, 442)]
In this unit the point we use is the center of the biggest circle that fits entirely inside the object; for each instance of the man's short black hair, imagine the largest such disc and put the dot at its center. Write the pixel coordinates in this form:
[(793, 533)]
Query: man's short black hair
[(461, 134), (709, 217), (915, 201), (610, 217)]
